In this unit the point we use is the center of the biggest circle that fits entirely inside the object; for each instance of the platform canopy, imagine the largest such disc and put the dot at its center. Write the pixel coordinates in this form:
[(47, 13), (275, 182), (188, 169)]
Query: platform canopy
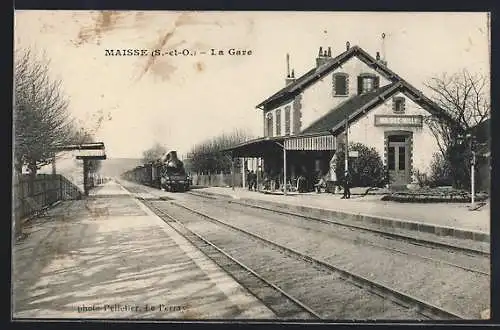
[(82, 146), (90, 151), (306, 142)]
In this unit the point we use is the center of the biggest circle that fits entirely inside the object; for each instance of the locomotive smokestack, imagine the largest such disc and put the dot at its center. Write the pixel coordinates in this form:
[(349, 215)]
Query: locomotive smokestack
[(173, 155)]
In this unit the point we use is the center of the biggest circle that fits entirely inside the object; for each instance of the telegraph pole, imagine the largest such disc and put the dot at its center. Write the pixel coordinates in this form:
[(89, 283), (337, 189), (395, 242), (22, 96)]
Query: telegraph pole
[(346, 155), (472, 178), (472, 169), (469, 139)]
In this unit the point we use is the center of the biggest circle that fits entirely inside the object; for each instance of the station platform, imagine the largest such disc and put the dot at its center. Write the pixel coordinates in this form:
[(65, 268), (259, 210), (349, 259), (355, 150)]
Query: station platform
[(455, 217), (109, 257)]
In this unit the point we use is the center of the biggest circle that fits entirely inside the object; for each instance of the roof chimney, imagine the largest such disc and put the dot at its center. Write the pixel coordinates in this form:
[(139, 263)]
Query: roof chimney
[(290, 78), (347, 45), (287, 65), (383, 60), (323, 56)]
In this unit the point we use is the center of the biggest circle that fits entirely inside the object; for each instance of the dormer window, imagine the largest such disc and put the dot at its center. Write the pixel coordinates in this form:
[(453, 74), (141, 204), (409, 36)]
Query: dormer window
[(367, 82), (398, 104), (340, 84)]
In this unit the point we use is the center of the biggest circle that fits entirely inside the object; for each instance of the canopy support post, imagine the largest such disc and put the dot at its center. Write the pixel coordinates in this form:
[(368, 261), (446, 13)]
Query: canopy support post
[(232, 170), (284, 169)]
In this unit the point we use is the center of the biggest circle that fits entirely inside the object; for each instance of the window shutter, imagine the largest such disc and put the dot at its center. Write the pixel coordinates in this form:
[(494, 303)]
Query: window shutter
[(347, 85), (376, 82), (278, 122), (334, 86), (360, 85), (394, 105)]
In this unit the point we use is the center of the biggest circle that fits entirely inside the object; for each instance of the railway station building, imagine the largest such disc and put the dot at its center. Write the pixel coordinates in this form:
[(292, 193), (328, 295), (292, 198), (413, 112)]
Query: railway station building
[(306, 121)]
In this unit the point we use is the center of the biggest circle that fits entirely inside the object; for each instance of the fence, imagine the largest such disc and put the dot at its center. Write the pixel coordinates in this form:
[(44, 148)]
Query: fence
[(217, 180), (31, 197)]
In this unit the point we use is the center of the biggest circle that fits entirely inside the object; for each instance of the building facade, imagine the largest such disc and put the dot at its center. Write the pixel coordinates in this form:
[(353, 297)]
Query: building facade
[(352, 92)]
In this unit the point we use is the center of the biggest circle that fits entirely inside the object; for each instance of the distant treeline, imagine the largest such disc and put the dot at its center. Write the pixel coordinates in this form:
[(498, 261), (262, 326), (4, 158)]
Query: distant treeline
[(208, 156)]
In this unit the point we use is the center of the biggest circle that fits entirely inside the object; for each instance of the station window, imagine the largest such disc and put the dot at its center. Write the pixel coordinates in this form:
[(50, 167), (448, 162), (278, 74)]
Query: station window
[(367, 82), (398, 104), (340, 84), (269, 123), (287, 120), (278, 122)]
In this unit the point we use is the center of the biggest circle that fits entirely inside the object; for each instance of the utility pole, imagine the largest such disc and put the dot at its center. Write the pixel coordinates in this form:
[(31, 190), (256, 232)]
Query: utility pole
[(472, 169), (472, 178), (346, 152), (469, 139), (54, 171)]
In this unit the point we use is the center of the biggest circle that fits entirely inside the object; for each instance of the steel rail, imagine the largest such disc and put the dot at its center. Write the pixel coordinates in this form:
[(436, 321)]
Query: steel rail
[(438, 261), (422, 307), (239, 263), (415, 240)]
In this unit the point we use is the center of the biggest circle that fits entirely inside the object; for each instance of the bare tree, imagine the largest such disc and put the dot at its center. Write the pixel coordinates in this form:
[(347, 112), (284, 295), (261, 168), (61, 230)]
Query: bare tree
[(208, 156), (153, 153), (41, 118), (465, 98)]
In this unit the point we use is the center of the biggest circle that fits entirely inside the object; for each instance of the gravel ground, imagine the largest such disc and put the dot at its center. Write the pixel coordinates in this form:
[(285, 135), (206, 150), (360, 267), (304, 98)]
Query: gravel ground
[(483, 246), (364, 237), (283, 307), (442, 285), (323, 291)]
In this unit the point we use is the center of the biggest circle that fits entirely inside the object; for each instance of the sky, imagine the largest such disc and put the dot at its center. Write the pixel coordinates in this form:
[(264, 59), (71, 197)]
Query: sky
[(180, 101)]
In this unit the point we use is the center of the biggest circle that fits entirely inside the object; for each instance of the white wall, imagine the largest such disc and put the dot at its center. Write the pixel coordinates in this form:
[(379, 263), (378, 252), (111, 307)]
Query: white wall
[(424, 144), (273, 113), (318, 99)]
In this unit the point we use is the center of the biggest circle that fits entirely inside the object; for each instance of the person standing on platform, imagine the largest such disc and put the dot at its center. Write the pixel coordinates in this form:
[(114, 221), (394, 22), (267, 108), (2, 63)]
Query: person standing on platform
[(249, 180), (253, 181), (347, 185)]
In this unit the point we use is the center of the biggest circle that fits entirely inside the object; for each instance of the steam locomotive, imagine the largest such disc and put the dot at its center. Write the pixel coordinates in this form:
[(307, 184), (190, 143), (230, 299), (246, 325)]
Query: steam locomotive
[(166, 173)]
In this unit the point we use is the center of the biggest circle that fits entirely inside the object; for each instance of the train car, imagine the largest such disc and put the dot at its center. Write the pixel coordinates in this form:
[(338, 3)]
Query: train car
[(166, 173), (156, 169), (147, 175), (173, 174)]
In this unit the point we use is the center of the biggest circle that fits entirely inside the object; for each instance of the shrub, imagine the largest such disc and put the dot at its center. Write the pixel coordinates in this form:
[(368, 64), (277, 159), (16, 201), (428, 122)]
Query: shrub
[(422, 178), (440, 173), (367, 170)]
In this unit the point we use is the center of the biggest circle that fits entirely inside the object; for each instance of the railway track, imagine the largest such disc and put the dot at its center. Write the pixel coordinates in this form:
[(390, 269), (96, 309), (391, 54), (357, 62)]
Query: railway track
[(391, 235), (281, 303), (475, 264), (417, 307)]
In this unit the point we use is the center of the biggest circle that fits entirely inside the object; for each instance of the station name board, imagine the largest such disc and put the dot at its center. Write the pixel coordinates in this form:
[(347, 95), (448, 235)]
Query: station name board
[(399, 120)]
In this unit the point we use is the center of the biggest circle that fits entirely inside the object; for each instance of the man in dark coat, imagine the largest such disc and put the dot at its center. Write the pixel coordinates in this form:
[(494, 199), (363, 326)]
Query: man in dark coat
[(249, 180), (254, 181), (347, 185)]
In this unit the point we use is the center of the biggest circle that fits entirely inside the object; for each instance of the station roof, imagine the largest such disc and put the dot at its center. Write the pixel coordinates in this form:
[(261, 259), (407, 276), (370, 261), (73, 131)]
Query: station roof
[(257, 147), (265, 145)]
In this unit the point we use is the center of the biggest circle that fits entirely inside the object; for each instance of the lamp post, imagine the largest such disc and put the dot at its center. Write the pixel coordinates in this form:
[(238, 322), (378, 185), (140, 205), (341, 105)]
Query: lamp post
[(346, 169), (469, 139)]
